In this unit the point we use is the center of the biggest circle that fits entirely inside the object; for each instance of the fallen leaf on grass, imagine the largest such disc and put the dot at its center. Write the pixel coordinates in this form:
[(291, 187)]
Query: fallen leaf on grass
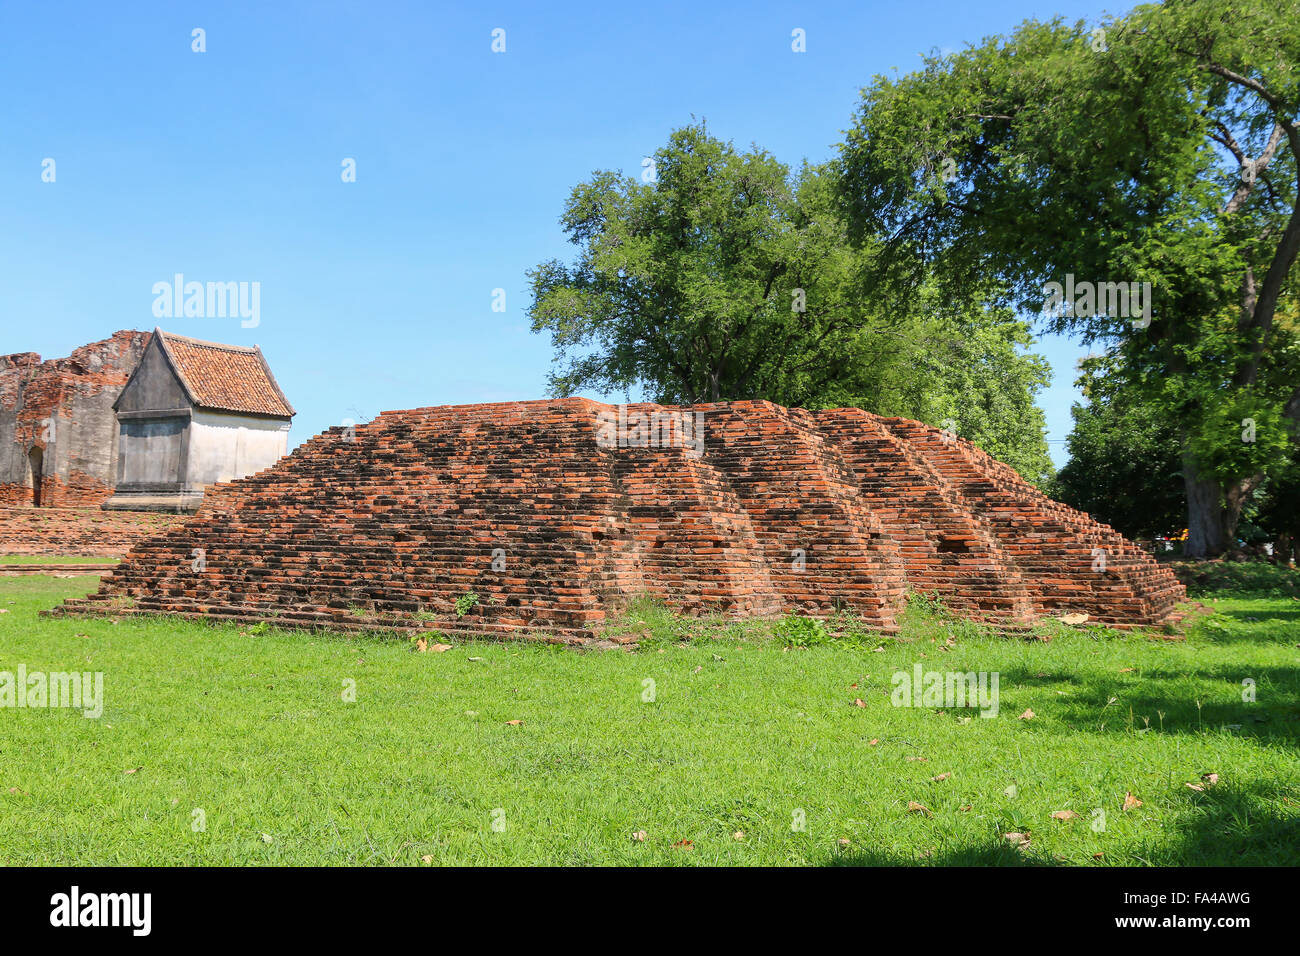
[(514, 723), (1072, 618), (859, 702), (426, 859), (133, 770), (639, 836), (685, 844), (914, 807), (1210, 779), (1126, 670), (1064, 815), (941, 777), (738, 835), (1027, 715), (873, 741), (919, 759), (844, 841), (966, 809), (17, 790), (1099, 856), (1131, 802), (1017, 840), (267, 838)]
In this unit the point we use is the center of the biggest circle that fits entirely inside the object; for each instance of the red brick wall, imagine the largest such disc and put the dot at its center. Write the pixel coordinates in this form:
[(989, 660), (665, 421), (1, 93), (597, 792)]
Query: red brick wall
[(76, 395), (784, 510), (69, 531)]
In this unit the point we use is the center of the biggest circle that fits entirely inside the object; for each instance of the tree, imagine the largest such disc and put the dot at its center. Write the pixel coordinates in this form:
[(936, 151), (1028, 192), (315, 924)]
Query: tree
[(1147, 165), (1124, 469), (728, 278)]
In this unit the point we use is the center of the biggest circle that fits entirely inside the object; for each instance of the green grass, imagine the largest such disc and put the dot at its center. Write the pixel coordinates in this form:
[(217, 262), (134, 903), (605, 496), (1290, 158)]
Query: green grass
[(51, 559), (745, 731)]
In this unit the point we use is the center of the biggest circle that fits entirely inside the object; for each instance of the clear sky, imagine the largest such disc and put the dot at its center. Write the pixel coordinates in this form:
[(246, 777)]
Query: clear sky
[(377, 294)]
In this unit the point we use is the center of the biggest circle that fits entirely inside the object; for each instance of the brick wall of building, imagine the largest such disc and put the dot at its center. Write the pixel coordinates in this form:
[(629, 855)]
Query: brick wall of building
[(63, 408)]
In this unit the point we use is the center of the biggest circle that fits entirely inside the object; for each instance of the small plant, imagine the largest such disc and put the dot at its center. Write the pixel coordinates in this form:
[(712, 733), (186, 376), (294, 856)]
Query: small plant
[(466, 603), (261, 627), (797, 631)]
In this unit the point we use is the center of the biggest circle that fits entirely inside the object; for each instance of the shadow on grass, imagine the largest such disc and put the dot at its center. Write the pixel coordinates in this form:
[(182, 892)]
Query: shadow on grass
[(1163, 704), (1225, 826), (978, 855)]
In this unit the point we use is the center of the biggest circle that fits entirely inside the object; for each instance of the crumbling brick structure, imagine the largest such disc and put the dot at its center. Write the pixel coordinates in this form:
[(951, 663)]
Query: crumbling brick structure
[(555, 514), (78, 531), (58, 428)]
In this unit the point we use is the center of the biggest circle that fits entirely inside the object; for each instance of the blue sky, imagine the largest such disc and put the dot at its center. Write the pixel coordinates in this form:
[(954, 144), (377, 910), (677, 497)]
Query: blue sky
[(377, 294)]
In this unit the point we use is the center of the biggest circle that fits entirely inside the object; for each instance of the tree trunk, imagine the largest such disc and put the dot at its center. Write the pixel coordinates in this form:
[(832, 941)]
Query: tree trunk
[(1207, 535)]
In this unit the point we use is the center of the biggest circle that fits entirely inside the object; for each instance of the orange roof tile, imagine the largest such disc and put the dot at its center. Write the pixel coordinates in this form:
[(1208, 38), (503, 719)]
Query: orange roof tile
[(226, 378)]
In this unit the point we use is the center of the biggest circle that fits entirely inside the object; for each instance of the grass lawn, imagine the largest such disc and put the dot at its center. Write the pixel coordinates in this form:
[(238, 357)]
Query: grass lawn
[(249, 734)]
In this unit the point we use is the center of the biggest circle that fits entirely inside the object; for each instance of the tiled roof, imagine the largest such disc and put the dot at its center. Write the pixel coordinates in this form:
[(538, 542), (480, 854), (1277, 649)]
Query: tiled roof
[(226, 378)]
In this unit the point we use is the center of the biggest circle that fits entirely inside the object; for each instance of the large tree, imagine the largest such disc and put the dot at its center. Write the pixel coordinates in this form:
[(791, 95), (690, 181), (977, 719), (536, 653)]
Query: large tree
[(1160, 147), (721, 276)]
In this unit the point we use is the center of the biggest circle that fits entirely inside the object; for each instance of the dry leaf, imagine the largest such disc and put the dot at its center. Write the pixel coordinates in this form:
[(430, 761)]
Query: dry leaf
[(639, 836), (859, 702), (967, 808), (914, 807), (421, 645), (1018, 840), (919, 759), (1072, 618), (873, 741), (738, 835), (514, 723), (1064, 815), (1126, 670), (1194, 786), (685, 844), (133, 770), (1099, 856), (942, 776), (844, 841), (267, 838), (1131, 802), (1027, 715), (1210, 779), (17, 790), (426, 859)]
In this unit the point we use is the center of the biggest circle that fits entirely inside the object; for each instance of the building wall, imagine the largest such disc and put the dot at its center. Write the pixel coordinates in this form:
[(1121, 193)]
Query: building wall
[(227, 446), (63, 408)]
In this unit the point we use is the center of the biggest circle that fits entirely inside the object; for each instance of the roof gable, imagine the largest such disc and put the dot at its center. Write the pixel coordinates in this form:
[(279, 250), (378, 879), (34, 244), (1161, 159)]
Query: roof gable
[(226, 378)]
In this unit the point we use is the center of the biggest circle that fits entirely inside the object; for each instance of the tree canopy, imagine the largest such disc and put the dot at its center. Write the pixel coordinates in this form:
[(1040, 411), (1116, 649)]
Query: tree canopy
[(725, 276), (1155, 154)]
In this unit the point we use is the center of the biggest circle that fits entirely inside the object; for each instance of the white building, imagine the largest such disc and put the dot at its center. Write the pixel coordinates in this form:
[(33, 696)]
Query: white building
[(194, 413)]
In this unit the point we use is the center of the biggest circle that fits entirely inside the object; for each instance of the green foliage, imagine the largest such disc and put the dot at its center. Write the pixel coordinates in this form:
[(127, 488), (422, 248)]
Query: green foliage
[(1261, 578), (1125, 464), (729, 278), (799, 631), (466, 603), (1159, 147)]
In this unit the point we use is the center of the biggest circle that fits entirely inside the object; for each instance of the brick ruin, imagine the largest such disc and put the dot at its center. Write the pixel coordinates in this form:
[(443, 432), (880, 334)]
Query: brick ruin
[(58, 428), (555, 525)]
